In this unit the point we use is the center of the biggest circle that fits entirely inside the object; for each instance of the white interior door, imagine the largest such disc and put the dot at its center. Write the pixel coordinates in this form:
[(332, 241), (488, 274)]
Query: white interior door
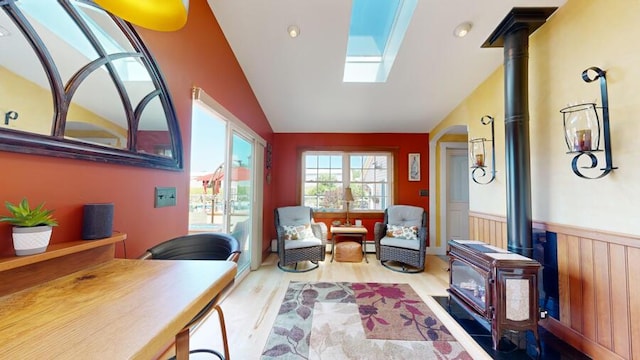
[(457, 212)]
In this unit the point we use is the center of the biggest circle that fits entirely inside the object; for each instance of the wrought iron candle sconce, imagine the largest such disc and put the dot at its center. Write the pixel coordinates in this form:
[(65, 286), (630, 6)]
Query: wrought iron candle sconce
[(10, 115), (478, 155), (583, 129)]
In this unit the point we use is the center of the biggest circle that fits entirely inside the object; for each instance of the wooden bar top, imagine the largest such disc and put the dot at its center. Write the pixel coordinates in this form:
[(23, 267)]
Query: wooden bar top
[(119, 309)]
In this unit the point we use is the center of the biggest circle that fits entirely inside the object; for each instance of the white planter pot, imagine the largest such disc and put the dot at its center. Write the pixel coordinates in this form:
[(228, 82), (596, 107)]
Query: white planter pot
[(31, 240)]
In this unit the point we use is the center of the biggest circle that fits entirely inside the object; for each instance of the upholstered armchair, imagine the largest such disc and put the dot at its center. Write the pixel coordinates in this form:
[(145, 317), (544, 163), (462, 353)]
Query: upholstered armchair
[(402, 238), (299, 238)]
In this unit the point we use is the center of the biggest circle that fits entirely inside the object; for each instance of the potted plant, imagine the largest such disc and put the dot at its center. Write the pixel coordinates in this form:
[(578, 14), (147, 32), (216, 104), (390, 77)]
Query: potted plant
[(31, 227)]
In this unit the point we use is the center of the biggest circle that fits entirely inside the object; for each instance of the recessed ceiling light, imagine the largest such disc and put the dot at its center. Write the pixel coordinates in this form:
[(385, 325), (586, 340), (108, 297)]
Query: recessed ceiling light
[(293, 31), (463, 29)]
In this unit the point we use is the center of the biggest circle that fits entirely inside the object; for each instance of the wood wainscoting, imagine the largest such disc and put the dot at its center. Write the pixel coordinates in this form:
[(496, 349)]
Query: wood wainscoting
[(599, 285)]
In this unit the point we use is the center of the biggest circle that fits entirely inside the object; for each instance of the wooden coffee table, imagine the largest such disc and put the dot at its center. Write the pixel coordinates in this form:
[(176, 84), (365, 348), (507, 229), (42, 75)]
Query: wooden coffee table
[(359, 232)]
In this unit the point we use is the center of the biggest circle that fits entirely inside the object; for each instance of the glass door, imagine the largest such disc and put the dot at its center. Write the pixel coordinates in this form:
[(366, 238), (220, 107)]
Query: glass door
[(208, 160), (240, 194), (222, 180)]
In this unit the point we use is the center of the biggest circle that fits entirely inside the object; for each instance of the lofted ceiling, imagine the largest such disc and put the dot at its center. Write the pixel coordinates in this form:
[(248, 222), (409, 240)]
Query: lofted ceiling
[(298, 81)]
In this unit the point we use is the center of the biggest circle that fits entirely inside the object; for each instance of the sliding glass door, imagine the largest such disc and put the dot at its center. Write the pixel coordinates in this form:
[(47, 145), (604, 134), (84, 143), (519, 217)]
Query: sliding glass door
[(222, 191), (208, 161), (240, 194)]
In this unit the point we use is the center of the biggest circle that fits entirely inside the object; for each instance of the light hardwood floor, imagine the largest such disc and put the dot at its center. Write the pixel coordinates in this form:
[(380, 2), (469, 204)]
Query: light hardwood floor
[(251, 307)]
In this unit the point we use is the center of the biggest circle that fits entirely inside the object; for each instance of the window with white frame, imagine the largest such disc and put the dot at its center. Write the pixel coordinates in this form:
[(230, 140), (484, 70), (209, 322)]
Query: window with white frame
[(328, 173)]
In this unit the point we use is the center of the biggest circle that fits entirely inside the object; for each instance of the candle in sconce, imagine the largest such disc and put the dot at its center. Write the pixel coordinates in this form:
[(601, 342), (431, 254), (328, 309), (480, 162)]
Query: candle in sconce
[(479, 159), (582, 140)]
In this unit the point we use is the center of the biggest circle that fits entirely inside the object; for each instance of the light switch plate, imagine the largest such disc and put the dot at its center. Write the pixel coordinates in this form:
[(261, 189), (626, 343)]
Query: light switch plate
[(165, 196)]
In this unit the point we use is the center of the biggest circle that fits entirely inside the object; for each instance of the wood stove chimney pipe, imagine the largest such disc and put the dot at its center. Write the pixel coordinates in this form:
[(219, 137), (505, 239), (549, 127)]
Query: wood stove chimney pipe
[(513, 34)]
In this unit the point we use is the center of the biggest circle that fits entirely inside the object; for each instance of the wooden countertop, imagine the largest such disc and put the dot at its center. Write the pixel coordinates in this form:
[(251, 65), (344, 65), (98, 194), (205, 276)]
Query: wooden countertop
[(119, 309)]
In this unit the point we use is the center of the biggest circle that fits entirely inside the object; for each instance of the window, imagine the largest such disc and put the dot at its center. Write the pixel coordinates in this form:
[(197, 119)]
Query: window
[(327, 174)]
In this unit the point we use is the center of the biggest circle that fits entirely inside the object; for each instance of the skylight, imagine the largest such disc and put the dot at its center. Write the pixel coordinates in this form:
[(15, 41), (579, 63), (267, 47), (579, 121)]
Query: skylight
[(375, 35)]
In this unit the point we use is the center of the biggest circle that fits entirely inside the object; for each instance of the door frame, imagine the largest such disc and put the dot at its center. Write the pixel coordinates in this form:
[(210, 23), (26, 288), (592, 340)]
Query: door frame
[(435, 180), (259, 145)]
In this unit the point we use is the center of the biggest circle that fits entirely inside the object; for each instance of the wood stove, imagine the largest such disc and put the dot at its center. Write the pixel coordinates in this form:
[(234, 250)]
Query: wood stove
[(497, 285)]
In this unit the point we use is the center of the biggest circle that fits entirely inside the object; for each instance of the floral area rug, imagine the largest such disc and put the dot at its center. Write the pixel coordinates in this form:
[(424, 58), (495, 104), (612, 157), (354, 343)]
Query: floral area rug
[(325, 320)]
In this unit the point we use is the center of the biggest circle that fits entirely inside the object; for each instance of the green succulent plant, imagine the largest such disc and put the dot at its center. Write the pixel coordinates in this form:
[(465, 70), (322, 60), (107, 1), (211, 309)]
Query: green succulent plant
[(24, 216)]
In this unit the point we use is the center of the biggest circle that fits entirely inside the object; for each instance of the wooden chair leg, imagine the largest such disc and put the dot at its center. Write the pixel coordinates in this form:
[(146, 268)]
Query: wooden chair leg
[(182, 345), (224, 331)]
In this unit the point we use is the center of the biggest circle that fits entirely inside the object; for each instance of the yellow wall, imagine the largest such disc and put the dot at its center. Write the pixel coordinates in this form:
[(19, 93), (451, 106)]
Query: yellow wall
[(34, 106), (581, 34), (18, 94), (454, 138)]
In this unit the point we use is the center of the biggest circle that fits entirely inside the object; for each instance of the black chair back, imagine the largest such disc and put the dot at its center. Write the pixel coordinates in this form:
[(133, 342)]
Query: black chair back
[(204, 246)]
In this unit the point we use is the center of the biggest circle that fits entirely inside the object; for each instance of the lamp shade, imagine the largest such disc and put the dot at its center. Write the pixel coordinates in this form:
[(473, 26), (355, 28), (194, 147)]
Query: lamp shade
[(348, 195), (160, 15)]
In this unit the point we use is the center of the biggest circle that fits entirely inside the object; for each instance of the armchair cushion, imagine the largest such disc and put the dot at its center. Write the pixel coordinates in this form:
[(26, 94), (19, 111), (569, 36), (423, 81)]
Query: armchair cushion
[(405, 215), (401, 243), (303, 243), (294, 215), (402, 232), (298, 232)]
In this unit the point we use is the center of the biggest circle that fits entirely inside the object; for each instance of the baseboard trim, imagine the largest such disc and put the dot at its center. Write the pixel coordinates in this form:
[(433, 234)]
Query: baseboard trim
[(578, 341)]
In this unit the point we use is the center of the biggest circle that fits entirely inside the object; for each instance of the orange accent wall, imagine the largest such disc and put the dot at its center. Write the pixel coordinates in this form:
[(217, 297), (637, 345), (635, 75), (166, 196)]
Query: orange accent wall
[(197, 55), (287, 168)]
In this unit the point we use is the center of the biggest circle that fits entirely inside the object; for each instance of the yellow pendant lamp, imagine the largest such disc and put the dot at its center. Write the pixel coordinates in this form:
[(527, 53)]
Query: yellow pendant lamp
[(160, 15)]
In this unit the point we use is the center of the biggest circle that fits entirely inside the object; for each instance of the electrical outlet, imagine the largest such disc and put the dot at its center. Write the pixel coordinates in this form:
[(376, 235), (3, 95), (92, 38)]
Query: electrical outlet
[(165, 196)]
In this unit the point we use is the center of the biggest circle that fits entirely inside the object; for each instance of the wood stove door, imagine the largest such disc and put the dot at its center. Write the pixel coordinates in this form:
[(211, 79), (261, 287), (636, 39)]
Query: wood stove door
[(516, 299), (471, 284)]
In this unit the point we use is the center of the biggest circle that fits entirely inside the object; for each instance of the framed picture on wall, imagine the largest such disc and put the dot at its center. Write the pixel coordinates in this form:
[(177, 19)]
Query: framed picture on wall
[(414, 167)]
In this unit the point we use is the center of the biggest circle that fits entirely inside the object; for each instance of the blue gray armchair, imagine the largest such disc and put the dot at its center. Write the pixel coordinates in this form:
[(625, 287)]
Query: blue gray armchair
[(299, 238), (401, 239)]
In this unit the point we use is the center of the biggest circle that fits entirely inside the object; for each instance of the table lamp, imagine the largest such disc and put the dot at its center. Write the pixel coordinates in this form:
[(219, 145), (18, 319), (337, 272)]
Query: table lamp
[(348, 197)]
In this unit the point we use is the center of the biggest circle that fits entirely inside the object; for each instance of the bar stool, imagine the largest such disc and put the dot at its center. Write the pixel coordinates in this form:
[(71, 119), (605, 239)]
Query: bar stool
[(203, 246)]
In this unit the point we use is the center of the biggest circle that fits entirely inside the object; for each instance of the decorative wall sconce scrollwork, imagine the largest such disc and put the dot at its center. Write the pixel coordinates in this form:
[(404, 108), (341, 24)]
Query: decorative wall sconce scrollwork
[(10, 115), (583, 129), (478, 155)]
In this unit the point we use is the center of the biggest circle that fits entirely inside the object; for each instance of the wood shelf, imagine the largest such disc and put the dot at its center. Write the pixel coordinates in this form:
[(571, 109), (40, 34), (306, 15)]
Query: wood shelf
[(58, 250)]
